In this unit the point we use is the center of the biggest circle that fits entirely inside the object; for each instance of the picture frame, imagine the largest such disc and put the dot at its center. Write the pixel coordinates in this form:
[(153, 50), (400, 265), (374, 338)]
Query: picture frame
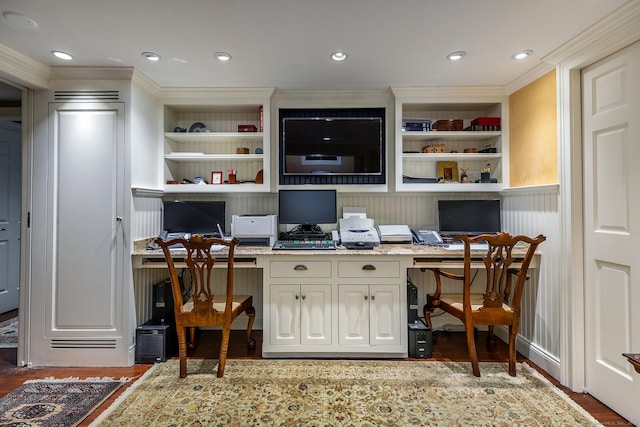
[(216, 177), (448, 171)]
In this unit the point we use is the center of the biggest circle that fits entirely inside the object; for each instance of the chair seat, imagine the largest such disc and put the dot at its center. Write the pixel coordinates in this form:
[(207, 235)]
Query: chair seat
[(455, 301), (219, 302)]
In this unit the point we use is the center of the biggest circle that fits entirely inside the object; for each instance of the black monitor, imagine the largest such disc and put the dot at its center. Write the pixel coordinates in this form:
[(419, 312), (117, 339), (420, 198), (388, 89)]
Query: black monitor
[(307, 209), (195, 217), (468, 217)]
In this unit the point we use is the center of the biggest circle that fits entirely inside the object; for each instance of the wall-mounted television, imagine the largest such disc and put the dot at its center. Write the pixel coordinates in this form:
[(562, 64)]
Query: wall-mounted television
[(332, 146)]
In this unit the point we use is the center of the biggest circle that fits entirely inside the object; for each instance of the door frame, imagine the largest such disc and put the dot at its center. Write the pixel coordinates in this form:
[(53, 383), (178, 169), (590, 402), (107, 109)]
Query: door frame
[(617, 31)]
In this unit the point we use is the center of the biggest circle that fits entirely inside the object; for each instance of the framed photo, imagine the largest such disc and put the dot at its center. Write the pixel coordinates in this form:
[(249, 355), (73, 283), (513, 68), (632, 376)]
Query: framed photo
[(448, 171), (216, 177)]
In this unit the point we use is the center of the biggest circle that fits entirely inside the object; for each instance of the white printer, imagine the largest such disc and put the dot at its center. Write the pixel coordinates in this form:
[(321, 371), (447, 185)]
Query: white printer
[(255, 230)]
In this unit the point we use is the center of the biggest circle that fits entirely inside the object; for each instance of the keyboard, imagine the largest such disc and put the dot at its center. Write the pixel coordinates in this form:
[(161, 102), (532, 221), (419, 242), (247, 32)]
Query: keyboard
[(314, 244)]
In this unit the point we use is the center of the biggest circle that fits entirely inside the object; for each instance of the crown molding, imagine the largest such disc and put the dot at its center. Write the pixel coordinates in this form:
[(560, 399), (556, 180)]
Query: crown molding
[(612, 33), (530, 76), (91, 73), (232, 94), (22, 69), (448, 93), (146, 83)]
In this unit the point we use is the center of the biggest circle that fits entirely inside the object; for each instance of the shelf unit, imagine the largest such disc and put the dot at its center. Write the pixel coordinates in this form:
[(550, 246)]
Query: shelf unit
[(414, 167), (188, 155)]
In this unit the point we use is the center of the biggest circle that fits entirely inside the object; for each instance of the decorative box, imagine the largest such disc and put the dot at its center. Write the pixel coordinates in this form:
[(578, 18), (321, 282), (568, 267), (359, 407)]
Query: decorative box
[(433, 148), (485, 123), (416, 125), (242, 150), (448, 125), (247, 128)]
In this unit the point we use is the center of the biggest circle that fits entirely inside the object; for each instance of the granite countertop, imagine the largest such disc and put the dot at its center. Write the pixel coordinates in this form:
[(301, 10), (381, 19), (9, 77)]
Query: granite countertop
[(143, 247)]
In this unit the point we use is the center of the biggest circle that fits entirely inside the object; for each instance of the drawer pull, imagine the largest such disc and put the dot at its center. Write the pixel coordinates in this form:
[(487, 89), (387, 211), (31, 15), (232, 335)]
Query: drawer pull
[(300, 267), (368, 267)]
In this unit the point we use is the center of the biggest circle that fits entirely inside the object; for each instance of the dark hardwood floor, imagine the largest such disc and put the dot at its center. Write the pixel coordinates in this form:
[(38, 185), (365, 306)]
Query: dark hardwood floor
[(448, 347)]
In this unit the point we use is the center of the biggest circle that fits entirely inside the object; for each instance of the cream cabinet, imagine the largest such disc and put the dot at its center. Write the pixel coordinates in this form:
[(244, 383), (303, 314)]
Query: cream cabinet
[(436, 160), (334, 305), (368, 315), (214, 133), (300, 314)]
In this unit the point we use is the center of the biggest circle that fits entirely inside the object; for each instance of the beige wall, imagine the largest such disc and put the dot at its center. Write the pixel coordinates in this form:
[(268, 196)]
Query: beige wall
[(533, 140)]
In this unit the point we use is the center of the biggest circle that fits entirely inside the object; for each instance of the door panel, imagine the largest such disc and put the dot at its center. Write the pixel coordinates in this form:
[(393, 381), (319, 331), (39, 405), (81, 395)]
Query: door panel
[(10, 176), (315, 316), (611, 133), (353, 317)]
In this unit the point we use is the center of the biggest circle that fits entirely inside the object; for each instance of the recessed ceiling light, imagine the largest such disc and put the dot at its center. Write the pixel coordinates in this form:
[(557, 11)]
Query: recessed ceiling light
[(522, 54), (61, 55), (338, 56), (151, 56), (222, 56), (19, 20), (456, 56)]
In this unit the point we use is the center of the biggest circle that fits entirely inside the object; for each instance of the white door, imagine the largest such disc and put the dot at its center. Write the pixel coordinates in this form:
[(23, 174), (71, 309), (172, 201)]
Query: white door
[(10, 175), (315, 314), (611, 122), (385, 317), (78, 294)]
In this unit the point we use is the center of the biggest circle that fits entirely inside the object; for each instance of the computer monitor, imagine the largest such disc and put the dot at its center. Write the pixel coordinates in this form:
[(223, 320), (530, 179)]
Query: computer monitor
[(468, 217), (307, 209), (195, 217)]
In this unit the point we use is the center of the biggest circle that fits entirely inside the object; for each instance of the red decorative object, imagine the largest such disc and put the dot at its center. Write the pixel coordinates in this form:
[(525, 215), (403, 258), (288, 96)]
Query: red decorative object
[(247, 128)]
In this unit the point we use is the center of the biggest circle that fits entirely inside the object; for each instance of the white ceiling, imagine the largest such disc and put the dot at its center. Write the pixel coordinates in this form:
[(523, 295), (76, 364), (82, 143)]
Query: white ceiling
[(287, 43)]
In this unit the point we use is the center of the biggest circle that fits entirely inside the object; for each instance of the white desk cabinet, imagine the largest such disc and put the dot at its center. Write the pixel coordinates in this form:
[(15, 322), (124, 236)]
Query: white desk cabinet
[(300, 314), (334, 305)]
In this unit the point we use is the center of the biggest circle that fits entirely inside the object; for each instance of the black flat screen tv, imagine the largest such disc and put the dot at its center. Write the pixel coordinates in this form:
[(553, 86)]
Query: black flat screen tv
[(195, 217), (332, 146), (469, 217)]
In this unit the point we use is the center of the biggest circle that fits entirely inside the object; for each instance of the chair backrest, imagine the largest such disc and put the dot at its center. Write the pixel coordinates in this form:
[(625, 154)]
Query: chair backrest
[(500, 267), (200, 261)]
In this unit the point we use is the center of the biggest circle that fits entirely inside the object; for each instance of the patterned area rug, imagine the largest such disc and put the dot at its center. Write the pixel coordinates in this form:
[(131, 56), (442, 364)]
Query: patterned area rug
[(54, 403), (342, 393), (9, 333)]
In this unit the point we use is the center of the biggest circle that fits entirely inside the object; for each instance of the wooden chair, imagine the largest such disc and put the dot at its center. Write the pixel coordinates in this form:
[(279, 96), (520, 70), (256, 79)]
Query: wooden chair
[(499, 303), (203, 307)]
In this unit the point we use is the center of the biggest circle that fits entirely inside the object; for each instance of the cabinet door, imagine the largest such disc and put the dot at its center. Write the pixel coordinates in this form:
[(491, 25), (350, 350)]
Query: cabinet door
[(284, 314), (80, 296), (353, 316), (385, 319), (315, 314)]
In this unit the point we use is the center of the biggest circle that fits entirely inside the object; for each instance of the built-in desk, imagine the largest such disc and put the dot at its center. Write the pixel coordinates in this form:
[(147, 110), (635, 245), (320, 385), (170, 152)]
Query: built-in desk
[(326, 303)]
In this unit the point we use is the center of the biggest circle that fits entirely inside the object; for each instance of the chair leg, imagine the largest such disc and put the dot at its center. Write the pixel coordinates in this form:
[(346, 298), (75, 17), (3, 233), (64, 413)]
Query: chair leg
[(491, 338), (224, 347), (182, 350), (251, 312), (471, 345), (192, 338), (427, 311), (513, 335)]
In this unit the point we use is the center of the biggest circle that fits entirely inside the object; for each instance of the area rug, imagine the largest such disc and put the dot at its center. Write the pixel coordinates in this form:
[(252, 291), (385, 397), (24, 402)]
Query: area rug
[(342, 393), (54, 403), (9, 333)]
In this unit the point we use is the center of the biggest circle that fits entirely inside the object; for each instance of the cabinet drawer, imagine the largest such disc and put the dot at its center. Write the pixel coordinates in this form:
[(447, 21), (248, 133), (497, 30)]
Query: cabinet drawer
[(300, 268), (368, 269)]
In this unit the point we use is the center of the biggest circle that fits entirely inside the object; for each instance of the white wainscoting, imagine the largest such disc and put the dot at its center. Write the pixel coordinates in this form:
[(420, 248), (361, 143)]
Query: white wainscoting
[(533, 211)]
